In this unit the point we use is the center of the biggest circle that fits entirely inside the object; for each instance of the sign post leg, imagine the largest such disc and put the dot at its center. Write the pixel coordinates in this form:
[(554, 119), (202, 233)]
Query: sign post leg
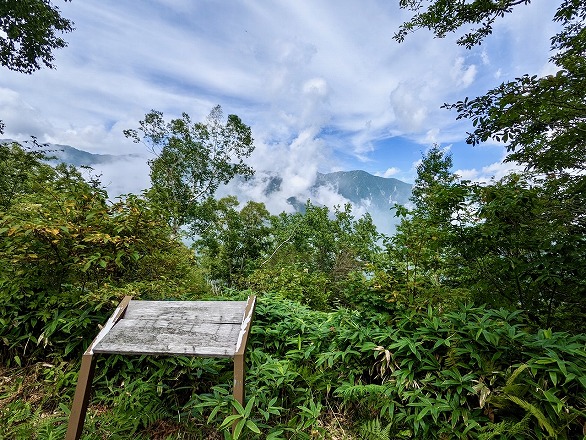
[(239, 391), (239, 372), (82, 396)]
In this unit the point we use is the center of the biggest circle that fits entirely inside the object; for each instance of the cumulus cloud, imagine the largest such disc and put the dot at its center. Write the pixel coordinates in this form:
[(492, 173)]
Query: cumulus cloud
[(461, 74)]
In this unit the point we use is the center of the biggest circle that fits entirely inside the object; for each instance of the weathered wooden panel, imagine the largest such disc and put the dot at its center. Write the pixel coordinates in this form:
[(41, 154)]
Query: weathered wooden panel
[(131, 336), (221, 312), (195, 328)]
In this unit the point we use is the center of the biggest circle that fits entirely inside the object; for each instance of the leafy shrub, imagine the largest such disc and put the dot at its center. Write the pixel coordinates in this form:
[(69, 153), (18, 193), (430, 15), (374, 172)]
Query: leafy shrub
[(293, 282), (393, 365), (469, 373), (64, 250), (472, 372)]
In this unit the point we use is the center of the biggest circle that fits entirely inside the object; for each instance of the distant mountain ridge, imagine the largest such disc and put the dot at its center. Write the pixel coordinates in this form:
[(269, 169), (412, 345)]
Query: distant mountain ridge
[(74, 156), (368, 193), (374, 193), (358, 186)]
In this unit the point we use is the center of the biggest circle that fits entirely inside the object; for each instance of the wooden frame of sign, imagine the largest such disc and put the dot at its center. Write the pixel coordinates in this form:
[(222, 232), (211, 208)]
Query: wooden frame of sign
[(189, 328)]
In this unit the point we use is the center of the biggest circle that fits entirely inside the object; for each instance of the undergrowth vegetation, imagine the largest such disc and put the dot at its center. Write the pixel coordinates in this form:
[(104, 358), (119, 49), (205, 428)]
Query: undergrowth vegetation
[(468, 373), (355, 336), (468, 323)]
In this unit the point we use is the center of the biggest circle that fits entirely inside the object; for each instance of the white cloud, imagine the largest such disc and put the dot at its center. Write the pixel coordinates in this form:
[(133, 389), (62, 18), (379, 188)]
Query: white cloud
[(463, 75), (316, 87), (549, 69), (128, 175), (496, 170), (389, 172), (409, 108), (432, 136), (22, 119)]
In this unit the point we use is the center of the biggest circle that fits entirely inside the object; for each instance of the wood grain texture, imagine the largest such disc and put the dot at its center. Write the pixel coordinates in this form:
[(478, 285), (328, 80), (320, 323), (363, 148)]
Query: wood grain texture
[(194, 328), (224, 312)]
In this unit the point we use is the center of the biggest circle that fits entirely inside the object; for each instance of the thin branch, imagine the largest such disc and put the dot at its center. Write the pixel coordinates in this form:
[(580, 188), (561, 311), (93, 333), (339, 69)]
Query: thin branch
[(278, 247)]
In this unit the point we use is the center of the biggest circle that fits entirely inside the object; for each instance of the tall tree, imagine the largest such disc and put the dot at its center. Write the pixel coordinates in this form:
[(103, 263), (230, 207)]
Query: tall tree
[(192, 159), (230, 241), (524, 252), (533, 226), (423, 251)]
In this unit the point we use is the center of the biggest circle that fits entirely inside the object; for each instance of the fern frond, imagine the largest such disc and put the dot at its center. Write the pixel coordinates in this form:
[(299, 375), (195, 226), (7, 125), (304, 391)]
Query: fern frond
[(505, 429), (515, 374), (373, 430), (535, 412), (370, 391)]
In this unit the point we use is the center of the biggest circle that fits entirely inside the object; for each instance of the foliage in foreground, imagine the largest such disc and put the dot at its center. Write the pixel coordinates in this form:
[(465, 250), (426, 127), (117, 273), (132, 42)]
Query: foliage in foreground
[(65, 252), (513, 243), (470, 373), (389, 369)]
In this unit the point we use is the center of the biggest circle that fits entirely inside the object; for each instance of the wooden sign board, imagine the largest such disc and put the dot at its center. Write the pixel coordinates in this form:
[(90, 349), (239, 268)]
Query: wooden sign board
[(188, 328)]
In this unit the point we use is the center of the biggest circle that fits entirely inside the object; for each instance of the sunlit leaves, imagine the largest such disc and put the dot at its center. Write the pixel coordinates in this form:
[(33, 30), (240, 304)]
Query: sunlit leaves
[(61, 240), (446, 16), (192, 159)]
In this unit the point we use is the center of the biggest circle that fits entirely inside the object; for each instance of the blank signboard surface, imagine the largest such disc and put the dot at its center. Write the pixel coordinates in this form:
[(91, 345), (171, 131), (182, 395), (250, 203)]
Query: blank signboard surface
[(196, 328)]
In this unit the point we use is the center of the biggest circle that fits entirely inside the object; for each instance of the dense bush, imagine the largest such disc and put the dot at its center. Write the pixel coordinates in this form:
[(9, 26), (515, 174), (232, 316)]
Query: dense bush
[(67, 256), (470, 373)]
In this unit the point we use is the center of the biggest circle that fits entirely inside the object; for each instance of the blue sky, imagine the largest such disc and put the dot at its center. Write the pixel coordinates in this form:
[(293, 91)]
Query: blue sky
[(322, 83)]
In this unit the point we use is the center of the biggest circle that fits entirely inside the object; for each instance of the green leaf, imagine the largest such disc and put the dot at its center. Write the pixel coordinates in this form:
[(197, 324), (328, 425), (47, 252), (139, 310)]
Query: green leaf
[(252, 426), (238, 428), (238, 407), (214, 411), (228, 420), (275, 435), (249, 406)]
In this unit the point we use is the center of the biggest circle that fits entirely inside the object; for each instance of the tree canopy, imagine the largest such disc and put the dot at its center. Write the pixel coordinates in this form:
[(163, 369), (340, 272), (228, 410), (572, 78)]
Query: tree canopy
[(540, 119), (30, 33), (446, 16), (449, 330)]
